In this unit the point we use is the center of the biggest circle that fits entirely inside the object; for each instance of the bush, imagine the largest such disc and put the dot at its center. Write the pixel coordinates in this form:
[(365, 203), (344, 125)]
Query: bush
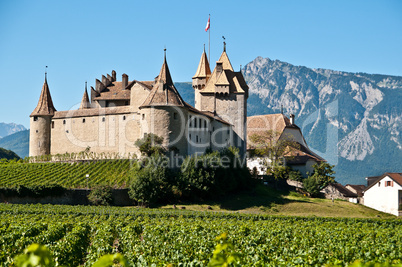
[(101, 195), (311, 185), (213, 174), (152, 183), (35, 191), (295, 176)]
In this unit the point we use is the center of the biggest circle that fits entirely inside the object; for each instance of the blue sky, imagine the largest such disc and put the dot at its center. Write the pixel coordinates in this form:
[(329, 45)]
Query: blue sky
[(81, 40)]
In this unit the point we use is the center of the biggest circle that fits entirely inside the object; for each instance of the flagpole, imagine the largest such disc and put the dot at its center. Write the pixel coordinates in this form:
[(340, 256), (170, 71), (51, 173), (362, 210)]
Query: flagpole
[(209, 41)]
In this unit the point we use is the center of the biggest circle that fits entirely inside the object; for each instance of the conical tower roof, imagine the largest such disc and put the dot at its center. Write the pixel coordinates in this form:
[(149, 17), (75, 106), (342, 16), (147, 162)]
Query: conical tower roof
[(85, 99), (164, 92), (45, 104), (225, 61), (203, 70)]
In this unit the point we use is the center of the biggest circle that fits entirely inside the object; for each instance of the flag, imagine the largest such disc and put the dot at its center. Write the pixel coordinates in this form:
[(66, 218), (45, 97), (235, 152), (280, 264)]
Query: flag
[(207, 27)]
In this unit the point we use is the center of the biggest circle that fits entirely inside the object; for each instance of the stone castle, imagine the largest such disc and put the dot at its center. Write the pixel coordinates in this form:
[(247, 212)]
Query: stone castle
[(120, 112)]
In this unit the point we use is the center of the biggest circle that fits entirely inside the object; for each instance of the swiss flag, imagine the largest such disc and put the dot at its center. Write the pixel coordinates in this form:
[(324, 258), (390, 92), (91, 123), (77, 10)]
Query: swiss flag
[(207, 27)]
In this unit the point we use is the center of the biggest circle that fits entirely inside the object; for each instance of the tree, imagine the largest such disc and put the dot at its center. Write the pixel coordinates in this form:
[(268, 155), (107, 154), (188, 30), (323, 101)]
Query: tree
[(322, 176), (273, 145), (150, 144)]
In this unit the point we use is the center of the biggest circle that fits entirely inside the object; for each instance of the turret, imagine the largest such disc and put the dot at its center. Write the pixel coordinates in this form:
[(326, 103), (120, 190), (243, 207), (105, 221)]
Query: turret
[(40, 124), (85, 99), (203, 73), (201, 78)]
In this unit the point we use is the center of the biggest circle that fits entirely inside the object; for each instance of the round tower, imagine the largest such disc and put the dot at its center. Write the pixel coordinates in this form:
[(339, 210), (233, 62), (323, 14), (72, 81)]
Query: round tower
[(41, 124)]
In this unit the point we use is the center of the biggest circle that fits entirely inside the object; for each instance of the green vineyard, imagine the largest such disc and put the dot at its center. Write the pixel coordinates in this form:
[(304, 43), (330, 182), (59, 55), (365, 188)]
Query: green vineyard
[(115, 173), (78, 235)]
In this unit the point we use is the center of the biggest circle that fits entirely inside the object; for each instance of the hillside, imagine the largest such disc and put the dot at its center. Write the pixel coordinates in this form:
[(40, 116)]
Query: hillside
[(17, 142), (266, 200), (116, 173), (7, 154), (353, 120)]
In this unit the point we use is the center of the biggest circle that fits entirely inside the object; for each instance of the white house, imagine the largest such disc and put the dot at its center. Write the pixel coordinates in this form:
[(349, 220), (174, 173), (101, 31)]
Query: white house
[(301, 159), (385, 193)]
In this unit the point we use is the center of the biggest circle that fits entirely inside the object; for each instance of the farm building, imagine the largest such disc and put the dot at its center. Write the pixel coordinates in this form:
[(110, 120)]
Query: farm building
[(385, 193)]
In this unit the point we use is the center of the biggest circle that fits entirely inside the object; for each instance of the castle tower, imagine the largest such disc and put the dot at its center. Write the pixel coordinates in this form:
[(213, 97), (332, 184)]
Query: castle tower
[(85, 99), (201, 78), (225, 94), (41, 123), (164, 112)]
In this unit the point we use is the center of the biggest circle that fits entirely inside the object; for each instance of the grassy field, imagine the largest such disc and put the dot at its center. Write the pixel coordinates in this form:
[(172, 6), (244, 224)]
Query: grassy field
[(266, 200)]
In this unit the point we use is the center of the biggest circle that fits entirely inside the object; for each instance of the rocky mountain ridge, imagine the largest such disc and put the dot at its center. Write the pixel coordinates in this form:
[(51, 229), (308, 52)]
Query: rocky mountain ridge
[(345, 117), (10, 128)]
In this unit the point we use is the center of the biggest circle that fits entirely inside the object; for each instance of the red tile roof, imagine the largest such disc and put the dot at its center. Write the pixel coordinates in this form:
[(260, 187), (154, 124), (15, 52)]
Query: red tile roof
[(397, 177), (45, 104)]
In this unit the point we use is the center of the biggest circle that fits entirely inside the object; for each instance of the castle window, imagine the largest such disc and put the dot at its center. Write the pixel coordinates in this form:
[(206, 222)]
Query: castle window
[(190, 121), (64, 121), (205, 124), (35, 118), (200, 125), (52, 124), (195, 123), (143, 116), (37, 131), (196, 139), (175, 115), (213, 129), (83, 120), (189, 136), (126, 103), (103, 119), (124, 118)]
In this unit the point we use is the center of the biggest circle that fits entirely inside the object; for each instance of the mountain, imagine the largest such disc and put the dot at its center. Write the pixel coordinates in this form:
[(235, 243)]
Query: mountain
[(186, 91), (17, 142), (353, 120), (10, 128)]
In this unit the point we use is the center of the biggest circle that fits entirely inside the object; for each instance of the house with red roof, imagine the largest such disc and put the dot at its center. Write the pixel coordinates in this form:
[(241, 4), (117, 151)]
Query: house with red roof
[(385, 193)]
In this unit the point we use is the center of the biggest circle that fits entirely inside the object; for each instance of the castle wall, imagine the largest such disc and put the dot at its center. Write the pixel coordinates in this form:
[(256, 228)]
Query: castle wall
[(137, 96), (197, 99), (206, 102), (232, 108), (39, 135), (198, 133), (102, 133)]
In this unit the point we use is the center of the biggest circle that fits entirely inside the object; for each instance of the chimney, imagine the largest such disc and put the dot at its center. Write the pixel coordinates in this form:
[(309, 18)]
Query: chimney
[(105, 81), (114, 75), (99, 86), (292, 119), (219, 67), (110, 78), (124, 79)]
